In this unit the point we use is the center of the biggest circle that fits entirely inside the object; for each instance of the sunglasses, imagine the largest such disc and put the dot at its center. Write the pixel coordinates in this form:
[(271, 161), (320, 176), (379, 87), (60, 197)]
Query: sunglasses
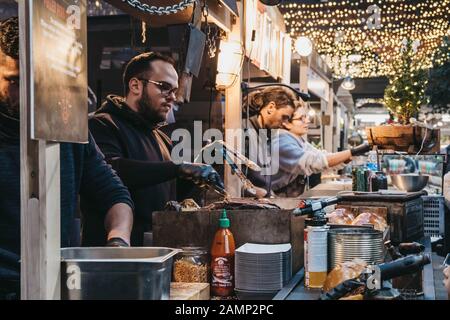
[(302, 118), (166, 88)]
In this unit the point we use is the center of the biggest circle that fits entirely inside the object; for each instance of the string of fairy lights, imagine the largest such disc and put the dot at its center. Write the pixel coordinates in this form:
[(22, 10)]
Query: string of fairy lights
[(363, 38)]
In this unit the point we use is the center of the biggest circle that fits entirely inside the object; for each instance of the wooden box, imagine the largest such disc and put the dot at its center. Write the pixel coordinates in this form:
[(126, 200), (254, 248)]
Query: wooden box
[(175, 229), (189, 291), (405, 138), (404, 212)]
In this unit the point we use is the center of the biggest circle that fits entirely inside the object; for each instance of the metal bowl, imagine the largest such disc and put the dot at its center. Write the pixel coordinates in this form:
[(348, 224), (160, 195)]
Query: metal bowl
[(409, 182)]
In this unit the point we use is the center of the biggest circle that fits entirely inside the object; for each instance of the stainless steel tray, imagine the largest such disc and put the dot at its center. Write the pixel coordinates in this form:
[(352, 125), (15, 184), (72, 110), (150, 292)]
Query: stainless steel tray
[(140, 273)]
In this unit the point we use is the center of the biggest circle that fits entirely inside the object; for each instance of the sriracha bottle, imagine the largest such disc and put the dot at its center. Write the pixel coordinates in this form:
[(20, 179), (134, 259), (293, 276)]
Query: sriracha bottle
[(222, 259)]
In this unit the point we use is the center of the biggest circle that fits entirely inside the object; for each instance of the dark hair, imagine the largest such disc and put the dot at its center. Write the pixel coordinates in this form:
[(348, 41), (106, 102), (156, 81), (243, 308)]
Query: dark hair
[(140, 64), (282, 98), (9, 37)]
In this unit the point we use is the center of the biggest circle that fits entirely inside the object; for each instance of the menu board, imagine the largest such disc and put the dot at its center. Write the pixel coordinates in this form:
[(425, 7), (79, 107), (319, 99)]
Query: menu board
[(59, 104)]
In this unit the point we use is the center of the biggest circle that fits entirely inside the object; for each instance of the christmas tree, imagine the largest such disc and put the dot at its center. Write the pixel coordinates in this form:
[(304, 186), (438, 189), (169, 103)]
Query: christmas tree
[(406, 90), (439, 87)]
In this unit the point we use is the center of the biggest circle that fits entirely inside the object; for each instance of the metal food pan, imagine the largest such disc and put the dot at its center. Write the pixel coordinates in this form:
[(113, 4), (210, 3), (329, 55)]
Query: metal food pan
[(141, 273)]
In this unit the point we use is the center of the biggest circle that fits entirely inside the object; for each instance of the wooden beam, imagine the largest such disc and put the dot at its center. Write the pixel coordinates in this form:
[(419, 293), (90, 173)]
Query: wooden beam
[(40, 189), (233, 113), (328, 130), (221, 16), (303, 75)]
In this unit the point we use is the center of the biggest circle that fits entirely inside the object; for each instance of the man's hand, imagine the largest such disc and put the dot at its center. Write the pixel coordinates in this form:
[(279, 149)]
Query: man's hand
[(447, 280), (117, 242), (361, 149), (201, 174)]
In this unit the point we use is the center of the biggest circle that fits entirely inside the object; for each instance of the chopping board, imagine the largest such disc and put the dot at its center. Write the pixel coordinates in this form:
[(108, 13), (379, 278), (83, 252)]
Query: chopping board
[(189, 291)]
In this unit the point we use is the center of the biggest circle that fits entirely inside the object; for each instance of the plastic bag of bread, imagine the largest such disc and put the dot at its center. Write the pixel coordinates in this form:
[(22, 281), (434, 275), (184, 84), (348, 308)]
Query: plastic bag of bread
[(340, 216), (378, 222), (344, 271)]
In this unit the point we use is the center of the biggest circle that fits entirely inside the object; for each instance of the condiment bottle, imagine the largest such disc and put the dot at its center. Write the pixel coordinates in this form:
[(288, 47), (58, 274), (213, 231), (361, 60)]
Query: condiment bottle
[(222, 259)]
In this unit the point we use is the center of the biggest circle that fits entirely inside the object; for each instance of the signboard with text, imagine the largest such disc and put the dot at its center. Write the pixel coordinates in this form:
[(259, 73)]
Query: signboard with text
[(59, 70)]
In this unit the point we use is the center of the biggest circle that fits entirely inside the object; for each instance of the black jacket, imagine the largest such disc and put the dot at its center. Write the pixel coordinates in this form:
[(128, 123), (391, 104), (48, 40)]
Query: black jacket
[(140, 154), (83, 173)]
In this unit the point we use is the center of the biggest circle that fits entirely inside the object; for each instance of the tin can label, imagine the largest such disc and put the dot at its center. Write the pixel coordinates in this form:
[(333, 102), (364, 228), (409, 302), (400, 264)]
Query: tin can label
[(316, 262), (317, 250)]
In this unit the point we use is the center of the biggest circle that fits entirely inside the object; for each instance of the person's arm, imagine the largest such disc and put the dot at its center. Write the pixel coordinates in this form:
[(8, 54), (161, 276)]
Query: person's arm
[(297, 159), (119, 222), (104, 188), (337, 158)]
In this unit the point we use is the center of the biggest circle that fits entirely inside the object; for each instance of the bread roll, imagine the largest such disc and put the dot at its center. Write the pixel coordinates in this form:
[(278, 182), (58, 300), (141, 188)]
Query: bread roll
[(344, 271), (378, 222), (340, 216)]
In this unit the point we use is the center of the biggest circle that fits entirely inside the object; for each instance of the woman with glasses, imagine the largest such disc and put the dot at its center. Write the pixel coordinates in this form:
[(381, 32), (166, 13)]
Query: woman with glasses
[(298, 159)]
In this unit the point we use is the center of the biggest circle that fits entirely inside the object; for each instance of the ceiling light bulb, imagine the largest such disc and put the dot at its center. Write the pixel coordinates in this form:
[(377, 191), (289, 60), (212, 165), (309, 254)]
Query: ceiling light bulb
[(303, 46)]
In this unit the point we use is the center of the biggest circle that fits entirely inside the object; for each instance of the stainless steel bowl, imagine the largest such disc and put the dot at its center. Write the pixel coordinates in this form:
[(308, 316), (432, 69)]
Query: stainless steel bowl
[(409, 182)]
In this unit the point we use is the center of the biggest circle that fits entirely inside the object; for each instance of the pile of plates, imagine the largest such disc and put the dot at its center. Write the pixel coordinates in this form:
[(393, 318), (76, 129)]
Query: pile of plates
[(261, 270)]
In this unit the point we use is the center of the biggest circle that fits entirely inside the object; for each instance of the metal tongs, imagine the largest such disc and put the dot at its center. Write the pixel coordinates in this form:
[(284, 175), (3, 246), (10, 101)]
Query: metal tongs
[(232, 157)]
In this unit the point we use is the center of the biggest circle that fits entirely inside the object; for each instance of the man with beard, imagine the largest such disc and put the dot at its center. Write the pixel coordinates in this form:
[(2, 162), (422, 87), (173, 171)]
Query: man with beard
[(83, 172), (127, 131)]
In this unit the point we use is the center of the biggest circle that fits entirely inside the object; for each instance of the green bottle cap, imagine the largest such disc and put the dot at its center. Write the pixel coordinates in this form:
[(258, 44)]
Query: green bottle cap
[(224, 222)]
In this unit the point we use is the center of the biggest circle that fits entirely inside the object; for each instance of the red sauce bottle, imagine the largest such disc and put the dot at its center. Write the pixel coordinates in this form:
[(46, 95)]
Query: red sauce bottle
[(222, 259)]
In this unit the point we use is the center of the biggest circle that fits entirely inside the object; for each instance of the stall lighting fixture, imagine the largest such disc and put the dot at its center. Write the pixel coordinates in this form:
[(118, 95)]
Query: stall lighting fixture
[(348, 84), (270, 2), (303, 46), (231, 56)]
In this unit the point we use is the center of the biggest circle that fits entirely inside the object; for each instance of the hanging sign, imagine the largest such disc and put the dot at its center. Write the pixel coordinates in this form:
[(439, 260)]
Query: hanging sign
[(59, 93)]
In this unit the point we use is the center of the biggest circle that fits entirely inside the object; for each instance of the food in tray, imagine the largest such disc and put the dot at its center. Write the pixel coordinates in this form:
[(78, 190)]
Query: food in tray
[(340, 216), (378, 222), (344, 271), (242, 203), (185, 205)]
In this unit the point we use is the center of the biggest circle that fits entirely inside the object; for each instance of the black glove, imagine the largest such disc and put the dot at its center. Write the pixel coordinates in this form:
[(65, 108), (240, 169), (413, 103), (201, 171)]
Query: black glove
[(201, 174), (116, 242), (361, 149)]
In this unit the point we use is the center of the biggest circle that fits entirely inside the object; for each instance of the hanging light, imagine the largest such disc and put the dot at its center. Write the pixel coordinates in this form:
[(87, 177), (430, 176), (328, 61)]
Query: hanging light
[(229, 63), (348, 83), (270, 2), (303, 46), (312, 113)]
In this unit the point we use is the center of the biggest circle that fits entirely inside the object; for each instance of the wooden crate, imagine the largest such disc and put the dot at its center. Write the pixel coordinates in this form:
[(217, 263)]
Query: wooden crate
[(174, 229), (189, 291), (404, 212), (406, 138)]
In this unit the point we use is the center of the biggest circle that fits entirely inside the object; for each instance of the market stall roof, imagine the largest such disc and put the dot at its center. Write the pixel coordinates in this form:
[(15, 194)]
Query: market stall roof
[(366, 88), (364, 38)]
